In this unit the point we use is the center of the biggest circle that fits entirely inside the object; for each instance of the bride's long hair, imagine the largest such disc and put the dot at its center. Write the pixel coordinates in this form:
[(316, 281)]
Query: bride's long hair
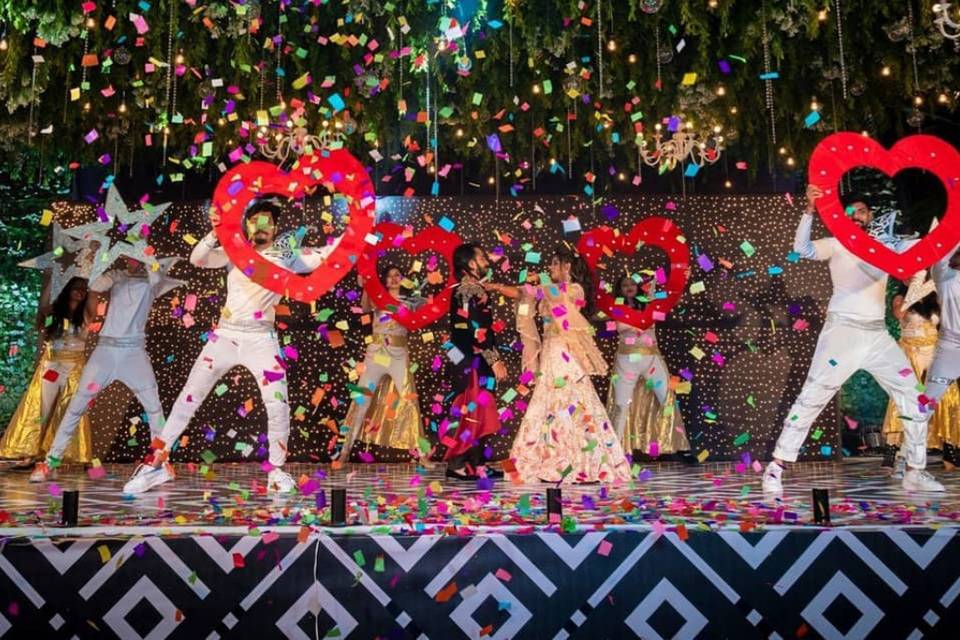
[(579, 273)]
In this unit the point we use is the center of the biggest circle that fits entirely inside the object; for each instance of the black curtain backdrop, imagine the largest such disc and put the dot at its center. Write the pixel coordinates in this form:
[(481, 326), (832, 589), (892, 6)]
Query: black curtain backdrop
[(744, 337)]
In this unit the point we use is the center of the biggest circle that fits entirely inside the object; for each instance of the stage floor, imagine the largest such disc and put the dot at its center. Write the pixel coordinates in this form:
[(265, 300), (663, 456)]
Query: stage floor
[(401, 498)]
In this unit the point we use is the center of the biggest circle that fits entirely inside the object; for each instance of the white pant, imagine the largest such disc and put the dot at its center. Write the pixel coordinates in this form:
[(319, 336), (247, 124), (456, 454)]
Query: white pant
[(257, 351), (108, 362), (844, 347), (49, 390), (945, 367), (373, 372), (629, 372)]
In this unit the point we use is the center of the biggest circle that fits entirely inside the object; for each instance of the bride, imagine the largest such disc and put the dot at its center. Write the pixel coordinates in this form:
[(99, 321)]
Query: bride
[(565, 434)]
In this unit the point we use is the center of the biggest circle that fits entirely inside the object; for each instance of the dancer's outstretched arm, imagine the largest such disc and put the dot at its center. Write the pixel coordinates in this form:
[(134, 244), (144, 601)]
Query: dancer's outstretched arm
[(207, 254)]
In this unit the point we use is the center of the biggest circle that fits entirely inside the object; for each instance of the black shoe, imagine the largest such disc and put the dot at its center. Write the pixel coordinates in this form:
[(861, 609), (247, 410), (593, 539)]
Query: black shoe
[(462, 477), (493, 474)]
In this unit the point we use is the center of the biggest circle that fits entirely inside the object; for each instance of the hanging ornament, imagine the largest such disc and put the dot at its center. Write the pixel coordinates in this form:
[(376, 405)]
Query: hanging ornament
[(122, 56), (600, 49), (898, 31), (843, 63), (768, 84), (650, 6), (912, 48), (915, 119)]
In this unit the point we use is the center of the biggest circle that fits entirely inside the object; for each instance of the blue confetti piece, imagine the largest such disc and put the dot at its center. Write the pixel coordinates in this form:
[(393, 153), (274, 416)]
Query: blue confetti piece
[(336, 102), (773, 75), (812, 118), (774, 270), (446, 223), (691, 170)]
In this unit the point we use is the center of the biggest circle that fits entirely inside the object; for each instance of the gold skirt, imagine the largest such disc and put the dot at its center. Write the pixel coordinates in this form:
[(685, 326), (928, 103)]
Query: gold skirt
[(649, 422), (393, 419), (30, 435), (945, 423)]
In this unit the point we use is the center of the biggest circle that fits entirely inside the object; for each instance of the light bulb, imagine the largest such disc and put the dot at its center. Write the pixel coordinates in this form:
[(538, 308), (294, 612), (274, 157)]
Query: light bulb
[(3, 44), (632, 58), (536, 89), (822, 15), (179, 58), (885, 71), (942, 98), (721, 91), (123, 107), (490, 180), (733, 109), (790, 162), (459, 133), (783, 151), (727, 184), (91, 23), (612, 45), (814, 106), (918, 100), (621, 176), (717, 128)]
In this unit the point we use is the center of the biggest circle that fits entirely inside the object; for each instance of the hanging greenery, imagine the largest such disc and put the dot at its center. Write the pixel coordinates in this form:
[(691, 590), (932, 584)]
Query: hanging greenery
[(111, 77)]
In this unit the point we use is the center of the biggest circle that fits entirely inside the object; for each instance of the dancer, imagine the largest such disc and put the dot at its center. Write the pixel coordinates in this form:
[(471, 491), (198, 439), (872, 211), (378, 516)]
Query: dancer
[(31, 430), (477, 367), (565, 434), (918, 315), (386, 386), (644, 416), (854, 336), (244, 336), (121, 353), (946, 360)]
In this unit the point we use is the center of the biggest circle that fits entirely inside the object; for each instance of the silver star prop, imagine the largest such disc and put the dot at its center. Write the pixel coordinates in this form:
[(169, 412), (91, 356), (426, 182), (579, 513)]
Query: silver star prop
[(53, 261), (120, 220)]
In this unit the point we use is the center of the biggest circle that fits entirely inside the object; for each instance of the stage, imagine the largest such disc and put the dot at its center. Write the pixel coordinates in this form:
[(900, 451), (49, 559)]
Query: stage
[(689, 551)]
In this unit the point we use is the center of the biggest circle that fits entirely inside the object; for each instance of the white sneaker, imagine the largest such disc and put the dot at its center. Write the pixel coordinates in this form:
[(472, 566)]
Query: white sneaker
[(920, 480), (772, 479), (146, 477), (280, 481), (42, 472), (899, 468)]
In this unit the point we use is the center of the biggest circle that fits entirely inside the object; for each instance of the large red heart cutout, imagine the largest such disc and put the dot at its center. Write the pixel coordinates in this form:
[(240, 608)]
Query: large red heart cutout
[(656, 232), (339, 172), (840, 152), (432, 239)]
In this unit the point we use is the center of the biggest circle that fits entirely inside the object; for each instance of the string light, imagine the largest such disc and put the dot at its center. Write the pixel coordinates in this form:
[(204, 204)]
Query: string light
[(721, 91), (943, 99), (814, 106), (612, 45), (822, 15), (3, 44), (885, 71), (632, 58)]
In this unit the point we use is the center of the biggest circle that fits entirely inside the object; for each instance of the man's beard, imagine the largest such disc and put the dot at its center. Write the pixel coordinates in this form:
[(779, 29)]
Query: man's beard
[(261, 241)]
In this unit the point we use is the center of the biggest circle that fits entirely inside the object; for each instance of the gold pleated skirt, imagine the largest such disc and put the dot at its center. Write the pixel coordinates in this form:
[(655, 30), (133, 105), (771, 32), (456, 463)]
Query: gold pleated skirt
[(945, 424), (393, 419), (30, 435), (649, 422)]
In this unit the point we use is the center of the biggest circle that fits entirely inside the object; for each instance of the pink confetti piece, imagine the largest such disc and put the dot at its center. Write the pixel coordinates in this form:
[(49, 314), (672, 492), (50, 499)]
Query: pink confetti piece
[(504, 575), (604, 548)]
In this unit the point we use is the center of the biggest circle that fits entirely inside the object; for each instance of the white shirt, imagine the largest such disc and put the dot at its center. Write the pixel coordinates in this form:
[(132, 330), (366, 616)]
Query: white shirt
[(130, 300), (249, 304), (947, 280), (859, 289)]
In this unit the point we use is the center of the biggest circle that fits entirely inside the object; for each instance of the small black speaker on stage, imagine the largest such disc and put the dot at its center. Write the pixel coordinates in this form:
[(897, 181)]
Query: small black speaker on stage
[(71, 508), (338, 507), (554, 506), (821, 506)]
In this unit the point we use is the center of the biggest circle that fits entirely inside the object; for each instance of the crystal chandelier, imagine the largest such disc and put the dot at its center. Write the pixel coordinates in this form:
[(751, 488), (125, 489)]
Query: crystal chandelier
[(683, 145), (948, 27)]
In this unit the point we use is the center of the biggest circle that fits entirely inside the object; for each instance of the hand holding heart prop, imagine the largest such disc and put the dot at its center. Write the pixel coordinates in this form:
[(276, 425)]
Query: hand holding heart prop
[(336, 170), (658, 232), (839, 153), (431, 239)]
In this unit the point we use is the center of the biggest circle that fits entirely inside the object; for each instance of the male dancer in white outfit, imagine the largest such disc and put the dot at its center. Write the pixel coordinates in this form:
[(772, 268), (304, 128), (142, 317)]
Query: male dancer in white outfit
[(854, 337), (120, 353), (244, 336), (945, 367)]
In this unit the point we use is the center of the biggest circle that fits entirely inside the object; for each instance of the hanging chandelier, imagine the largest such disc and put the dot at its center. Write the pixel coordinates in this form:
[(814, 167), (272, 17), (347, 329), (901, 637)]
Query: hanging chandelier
[(297, 140), (948, 27), (683, 145)]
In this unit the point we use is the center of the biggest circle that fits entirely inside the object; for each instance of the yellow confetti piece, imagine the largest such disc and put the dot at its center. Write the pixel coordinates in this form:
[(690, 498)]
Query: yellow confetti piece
[(703, 455), (104, 552), (689, 79), (46, 218)]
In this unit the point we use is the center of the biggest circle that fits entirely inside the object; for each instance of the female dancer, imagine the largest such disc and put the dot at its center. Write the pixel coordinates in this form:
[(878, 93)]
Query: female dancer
[(919, 315), (645, 416), (61, 357), (386, 388), (565, 433)]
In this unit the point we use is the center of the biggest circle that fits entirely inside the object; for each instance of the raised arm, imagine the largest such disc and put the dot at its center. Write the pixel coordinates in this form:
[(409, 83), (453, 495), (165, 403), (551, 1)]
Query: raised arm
[(207, 255), (309, 258), (811, 250)]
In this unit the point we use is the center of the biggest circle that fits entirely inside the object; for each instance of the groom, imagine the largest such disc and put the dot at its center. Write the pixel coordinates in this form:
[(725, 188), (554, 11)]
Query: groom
[(476, 369)]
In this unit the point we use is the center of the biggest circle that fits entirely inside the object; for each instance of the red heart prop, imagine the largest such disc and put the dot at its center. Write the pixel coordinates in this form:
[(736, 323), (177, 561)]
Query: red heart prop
[(433, 239), (339, 172), (657, 232), (840, 152)]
